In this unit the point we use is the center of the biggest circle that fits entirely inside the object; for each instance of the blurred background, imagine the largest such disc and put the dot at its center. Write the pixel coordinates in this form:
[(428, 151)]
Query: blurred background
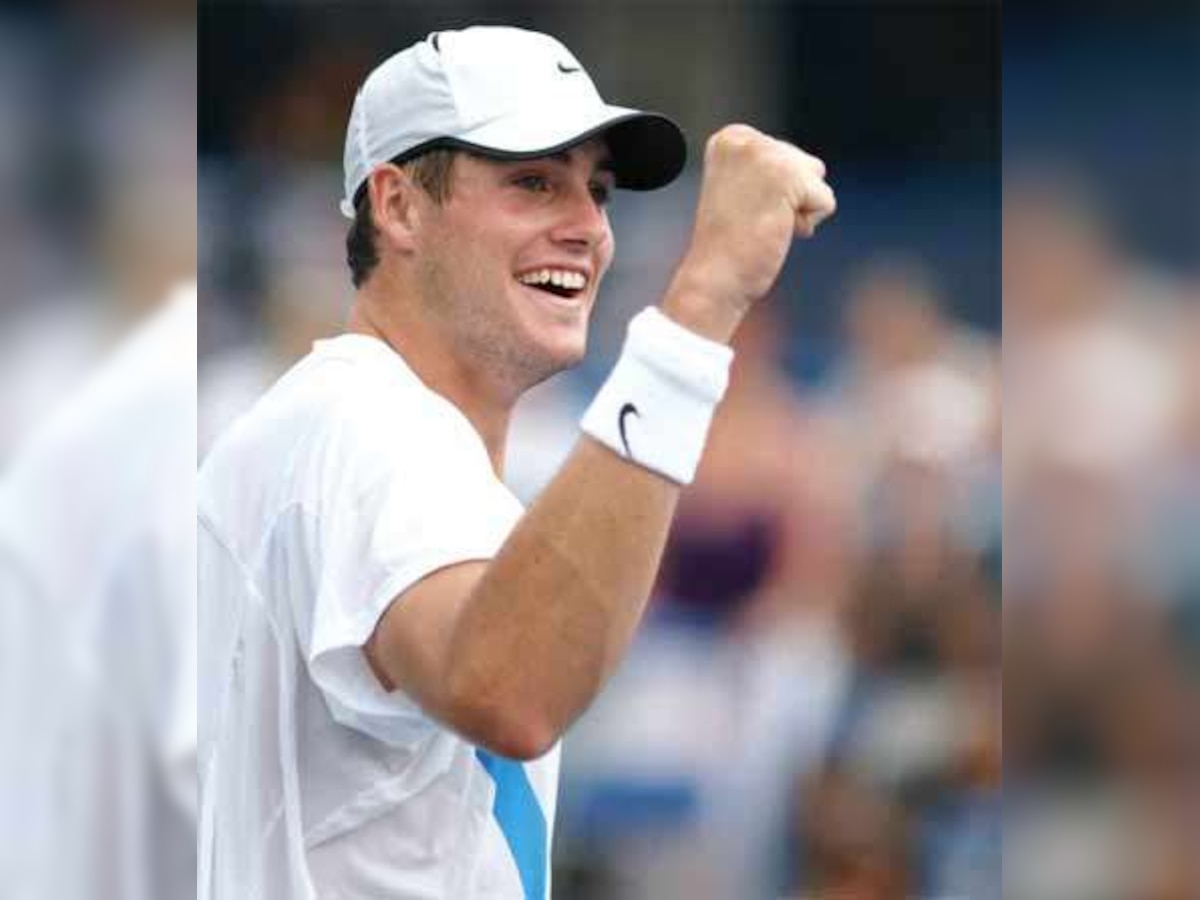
[(813, 707), (97, 186), (97, 449), (1101, 277)]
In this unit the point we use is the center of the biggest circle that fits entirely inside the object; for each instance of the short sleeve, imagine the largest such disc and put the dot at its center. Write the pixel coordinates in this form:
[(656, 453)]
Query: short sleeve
[(395, 498)]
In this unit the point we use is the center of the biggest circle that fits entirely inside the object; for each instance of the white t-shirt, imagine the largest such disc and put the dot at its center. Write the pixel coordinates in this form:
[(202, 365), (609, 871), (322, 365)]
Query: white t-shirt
[(346, 484)]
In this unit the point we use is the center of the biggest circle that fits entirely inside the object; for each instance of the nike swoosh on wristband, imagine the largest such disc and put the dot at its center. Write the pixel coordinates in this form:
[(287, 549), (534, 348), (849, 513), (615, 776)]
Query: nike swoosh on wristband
[(568, 69), (626, 410)]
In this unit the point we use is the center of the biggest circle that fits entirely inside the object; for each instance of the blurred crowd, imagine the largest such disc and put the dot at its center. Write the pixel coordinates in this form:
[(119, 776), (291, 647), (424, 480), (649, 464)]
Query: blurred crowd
[(1100, 478)]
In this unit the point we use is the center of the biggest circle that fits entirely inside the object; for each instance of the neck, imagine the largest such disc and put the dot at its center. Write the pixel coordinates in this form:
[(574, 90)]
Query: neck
[(428, 352)]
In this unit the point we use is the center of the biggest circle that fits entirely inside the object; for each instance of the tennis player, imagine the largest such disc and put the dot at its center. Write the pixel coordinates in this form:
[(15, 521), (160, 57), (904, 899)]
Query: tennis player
[(391, 647)]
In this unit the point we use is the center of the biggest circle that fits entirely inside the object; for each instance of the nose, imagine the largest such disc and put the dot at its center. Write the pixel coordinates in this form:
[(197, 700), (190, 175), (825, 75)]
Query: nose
[(583, 223)]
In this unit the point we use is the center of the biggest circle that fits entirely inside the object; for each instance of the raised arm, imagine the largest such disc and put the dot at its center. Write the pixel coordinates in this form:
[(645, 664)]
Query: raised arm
[(510, 651)]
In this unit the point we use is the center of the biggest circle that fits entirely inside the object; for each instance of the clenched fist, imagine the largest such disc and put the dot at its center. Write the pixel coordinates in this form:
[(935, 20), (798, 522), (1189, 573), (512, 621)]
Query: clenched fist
[(757, 195)]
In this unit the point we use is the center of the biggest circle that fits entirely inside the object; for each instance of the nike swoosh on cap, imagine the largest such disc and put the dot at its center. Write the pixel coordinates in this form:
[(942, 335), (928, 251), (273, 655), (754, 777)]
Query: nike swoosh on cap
[(568, 69)]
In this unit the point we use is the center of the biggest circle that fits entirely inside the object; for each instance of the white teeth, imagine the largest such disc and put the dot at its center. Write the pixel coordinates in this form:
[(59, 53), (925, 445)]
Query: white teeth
[(558, 277)]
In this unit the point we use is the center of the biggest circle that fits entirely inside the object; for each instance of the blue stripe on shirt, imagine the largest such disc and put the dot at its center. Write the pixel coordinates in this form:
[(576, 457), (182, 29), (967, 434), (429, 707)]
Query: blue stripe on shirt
[(521, 821)]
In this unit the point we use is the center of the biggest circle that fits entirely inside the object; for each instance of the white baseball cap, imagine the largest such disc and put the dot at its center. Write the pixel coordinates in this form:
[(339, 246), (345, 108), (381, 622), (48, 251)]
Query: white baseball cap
[(505, 93)]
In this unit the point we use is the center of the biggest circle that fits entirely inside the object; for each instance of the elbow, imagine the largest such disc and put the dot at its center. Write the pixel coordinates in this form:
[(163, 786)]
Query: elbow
[(512, 729), (518, 740)]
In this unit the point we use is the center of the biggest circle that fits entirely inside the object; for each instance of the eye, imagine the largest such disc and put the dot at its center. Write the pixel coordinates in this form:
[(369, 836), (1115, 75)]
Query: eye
[(536, 184), (601, 192)]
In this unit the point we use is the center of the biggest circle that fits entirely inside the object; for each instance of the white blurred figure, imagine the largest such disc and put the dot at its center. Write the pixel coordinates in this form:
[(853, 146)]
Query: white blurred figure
[(1094, 378), (901, 345), (98, 625), (1090, 368), (45, 353)]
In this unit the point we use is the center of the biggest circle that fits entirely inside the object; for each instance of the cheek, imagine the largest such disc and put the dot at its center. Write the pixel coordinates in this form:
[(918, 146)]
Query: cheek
[(464, 249), (491, 238), (606, 252)]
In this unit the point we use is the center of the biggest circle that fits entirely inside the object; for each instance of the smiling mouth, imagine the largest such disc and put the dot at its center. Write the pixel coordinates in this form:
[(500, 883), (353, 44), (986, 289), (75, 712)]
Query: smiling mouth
[(555, 290), (563, 284)]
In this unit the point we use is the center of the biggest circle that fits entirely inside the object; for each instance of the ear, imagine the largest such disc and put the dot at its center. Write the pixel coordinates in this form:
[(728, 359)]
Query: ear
[(397, 207)]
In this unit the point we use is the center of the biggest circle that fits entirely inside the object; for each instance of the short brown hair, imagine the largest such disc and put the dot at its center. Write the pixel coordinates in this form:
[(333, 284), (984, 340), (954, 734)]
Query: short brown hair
[(432, 171)]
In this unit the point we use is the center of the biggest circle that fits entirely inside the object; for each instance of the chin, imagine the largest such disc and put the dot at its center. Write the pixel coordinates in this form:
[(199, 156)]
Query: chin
[(565, 354), (561, 345)]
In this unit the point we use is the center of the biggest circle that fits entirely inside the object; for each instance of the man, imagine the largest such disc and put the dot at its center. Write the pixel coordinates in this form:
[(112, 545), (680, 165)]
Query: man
[(390, 647)]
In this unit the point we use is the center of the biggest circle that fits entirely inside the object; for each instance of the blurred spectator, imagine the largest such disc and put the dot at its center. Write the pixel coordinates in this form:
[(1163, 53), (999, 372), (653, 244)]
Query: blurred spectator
[(913, 381), (857, 843), (762, 533), (1088, 383), (919, 731), (98, 782)]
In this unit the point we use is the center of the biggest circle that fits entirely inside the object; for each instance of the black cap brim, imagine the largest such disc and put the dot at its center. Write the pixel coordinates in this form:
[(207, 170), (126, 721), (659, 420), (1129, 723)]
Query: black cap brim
[(648, 149)]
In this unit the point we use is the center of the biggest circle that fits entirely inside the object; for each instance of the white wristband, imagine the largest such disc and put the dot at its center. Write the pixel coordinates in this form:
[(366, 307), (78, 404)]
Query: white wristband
[(656, 406)]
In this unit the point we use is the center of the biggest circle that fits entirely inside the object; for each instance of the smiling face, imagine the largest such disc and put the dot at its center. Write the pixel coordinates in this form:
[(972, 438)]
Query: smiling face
[(510, 263)]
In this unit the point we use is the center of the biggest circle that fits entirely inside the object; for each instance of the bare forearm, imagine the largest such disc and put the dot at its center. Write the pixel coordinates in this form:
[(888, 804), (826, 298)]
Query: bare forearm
[(559, 604)]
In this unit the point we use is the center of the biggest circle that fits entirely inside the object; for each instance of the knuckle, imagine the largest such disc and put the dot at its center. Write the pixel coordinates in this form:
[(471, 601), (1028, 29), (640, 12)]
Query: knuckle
[(818, 165), (731, 138), (739, 133), (778, 164), (826, 194)]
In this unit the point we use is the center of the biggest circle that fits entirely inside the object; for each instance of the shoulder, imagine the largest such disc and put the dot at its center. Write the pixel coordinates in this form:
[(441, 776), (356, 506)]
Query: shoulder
[(378, 411), (346, 416)]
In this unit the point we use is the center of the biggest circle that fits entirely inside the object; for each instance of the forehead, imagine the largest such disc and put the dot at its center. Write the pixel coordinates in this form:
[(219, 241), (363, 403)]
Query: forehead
[(594, 151)]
